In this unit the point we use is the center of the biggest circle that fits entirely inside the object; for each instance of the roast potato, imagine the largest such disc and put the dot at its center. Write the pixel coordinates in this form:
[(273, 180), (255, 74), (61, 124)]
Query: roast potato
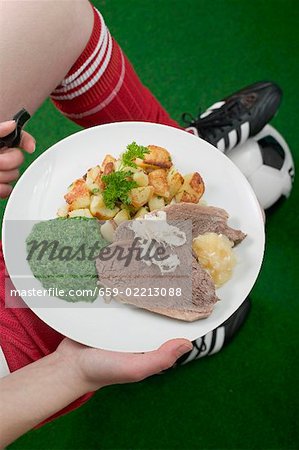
[(157, 158), (141, 212), (156, 202), (108, 160), (93, 180), (141, 178), (78, 196), (63, 211), (175, 181), (192, 189), (140, 196), (158, 179), (84, 212), (122, 216), (99, 210)]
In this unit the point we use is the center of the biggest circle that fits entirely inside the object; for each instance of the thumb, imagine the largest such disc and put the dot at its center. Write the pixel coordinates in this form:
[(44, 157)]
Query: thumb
[(7, 127)]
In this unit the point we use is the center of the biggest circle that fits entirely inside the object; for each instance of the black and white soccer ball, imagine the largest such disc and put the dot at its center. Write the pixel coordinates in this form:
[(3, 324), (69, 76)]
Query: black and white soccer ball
[(267, 163)]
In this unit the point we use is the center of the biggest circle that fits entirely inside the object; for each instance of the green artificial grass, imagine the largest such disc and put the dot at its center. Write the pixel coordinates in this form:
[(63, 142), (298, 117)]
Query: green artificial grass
[(192, 53)]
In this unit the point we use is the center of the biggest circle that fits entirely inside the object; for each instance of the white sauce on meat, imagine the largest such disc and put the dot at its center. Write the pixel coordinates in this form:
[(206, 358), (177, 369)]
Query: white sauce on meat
[(154, 226)]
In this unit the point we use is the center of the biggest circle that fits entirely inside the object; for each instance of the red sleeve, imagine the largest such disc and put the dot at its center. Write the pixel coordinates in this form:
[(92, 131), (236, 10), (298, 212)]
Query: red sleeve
[(24, 338)]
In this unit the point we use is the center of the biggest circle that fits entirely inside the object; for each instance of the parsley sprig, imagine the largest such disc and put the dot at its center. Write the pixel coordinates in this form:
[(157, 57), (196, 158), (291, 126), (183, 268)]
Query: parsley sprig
[(119, 183), (118, 186), (133, 151)]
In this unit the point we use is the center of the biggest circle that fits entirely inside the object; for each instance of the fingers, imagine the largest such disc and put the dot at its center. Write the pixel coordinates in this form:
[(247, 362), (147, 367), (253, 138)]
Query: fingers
[(11, 159), (7, 127), (27, 142), (140, 366), (97, 368), (9, 175), (9, 163), (5, 190), (133, 367)]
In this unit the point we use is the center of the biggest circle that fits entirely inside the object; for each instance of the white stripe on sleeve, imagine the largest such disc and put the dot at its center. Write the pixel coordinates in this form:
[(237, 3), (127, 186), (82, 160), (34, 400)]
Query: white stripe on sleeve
[(107, 100), (86, 74), (78, 72), (93, 80)]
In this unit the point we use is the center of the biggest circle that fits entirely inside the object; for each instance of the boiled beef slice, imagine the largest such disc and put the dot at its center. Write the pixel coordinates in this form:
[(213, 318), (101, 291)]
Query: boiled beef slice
[(204, 219), (198, 293)]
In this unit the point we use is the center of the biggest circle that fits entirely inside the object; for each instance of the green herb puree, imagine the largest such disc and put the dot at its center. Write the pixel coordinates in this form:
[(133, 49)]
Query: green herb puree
[(61, 254)]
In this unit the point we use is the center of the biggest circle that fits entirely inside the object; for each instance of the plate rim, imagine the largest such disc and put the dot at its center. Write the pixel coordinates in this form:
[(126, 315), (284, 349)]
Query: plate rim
[(52, 148)]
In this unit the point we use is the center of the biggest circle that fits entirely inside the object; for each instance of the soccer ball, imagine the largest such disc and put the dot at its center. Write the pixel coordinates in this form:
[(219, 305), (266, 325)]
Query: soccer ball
[(267, 163)]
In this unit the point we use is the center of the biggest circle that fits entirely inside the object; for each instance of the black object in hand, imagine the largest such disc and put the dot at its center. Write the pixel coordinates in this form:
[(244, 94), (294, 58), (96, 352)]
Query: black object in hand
[(13, 139)]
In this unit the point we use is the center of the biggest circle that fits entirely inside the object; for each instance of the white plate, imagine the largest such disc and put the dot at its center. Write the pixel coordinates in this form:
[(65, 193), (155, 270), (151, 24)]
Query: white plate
[(39, 193)]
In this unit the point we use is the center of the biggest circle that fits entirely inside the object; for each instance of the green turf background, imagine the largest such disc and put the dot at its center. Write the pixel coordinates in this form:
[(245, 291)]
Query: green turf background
[(191, 53)]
